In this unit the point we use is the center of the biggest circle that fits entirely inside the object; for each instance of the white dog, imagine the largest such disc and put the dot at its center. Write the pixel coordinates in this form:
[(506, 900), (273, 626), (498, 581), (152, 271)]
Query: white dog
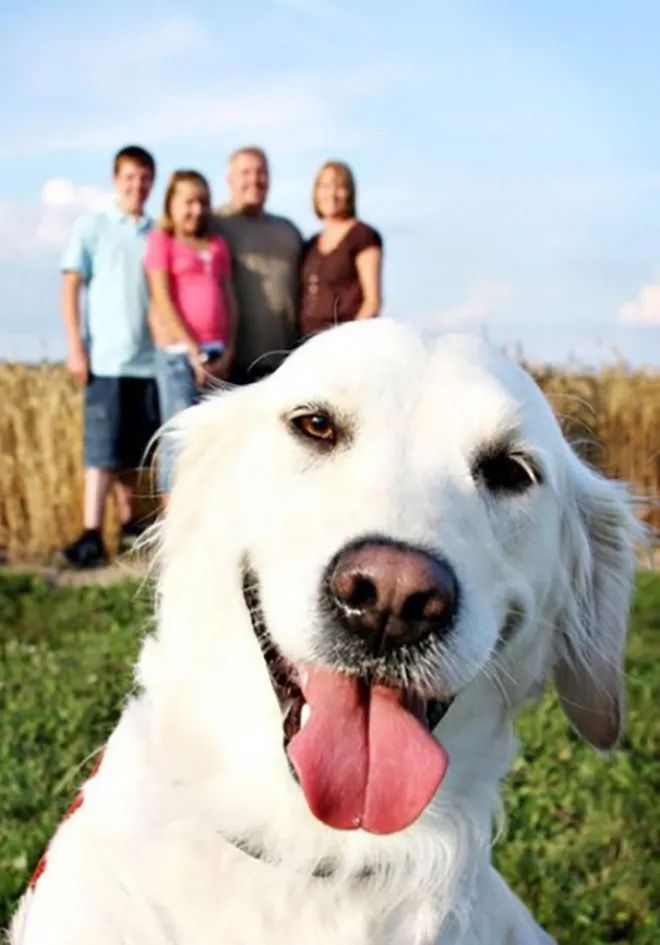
[(385, 538)]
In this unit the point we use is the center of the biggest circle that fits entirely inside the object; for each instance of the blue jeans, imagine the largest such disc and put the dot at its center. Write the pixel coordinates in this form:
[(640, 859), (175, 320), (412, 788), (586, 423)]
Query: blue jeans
[(176, 391)]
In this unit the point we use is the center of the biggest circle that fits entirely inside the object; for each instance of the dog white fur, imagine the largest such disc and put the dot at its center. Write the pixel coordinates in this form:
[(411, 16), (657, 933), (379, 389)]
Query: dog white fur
[(196, 769)]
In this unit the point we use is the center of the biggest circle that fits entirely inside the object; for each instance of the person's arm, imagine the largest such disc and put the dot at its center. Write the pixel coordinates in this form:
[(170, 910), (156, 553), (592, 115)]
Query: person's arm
[(222, 365), (77, 271), (77, 360), (368, 264), (166, 313)]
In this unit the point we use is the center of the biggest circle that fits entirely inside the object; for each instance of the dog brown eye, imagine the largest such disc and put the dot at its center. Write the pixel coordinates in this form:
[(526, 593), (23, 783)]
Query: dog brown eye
[(506, 472), (316, 426)]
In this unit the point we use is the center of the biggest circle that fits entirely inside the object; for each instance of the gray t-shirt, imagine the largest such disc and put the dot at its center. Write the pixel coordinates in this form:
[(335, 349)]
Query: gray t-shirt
[(265, 253)]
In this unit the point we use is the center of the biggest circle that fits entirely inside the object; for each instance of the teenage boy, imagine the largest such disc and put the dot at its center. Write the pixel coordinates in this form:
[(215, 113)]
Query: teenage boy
[(265, 259), (110, 350)]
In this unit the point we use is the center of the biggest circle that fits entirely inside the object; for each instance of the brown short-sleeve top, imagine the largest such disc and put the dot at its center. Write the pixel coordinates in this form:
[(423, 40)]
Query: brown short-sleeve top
[(329, 285)]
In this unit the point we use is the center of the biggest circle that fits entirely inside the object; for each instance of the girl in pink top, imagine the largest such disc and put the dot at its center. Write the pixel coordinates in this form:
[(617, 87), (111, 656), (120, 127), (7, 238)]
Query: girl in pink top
[(189, 274), (193, 310)]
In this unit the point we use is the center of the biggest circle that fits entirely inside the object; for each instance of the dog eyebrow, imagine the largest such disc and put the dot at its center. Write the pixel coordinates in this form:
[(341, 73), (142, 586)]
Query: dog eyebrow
[(505, 441), (310, 406)]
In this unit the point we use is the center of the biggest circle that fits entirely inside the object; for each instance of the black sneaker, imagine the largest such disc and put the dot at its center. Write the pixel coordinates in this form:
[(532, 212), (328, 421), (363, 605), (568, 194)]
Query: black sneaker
[(87, 551), (130, 533)]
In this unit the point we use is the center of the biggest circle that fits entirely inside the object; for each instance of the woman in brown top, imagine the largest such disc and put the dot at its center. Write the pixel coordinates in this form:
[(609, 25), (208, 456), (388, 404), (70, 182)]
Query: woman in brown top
[(341, 265)]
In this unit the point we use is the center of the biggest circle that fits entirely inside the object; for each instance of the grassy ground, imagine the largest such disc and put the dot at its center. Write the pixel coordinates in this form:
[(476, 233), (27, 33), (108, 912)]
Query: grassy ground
[(582, 839), (582, 844)]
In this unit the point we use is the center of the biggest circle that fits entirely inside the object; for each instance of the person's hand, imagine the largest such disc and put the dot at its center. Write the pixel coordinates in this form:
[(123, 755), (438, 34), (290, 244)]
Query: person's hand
[(77, 363), (197, 365), (220, 367), (199, 372)]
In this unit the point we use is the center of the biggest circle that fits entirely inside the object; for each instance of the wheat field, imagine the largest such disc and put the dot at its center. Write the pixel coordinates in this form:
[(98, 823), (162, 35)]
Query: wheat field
[(612, 417)]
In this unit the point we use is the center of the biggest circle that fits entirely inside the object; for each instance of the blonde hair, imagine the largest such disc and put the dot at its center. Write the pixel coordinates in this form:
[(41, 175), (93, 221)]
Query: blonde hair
[(345, 175), (194, 177)]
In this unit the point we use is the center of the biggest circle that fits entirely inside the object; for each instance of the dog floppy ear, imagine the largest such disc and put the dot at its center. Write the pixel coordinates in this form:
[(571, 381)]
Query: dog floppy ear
[(599, 530), (207, 439)]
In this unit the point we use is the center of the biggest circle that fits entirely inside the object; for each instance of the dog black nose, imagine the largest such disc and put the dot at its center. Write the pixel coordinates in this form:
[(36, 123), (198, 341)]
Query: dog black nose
[(392, 593)]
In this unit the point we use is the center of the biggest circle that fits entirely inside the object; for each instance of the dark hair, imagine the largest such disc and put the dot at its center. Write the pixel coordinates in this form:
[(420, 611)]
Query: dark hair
[(345, 175), (194, 177), (133, 152)]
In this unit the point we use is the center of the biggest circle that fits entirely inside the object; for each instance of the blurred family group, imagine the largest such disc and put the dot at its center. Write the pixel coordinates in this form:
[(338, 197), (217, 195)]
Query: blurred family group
[(155, 312)]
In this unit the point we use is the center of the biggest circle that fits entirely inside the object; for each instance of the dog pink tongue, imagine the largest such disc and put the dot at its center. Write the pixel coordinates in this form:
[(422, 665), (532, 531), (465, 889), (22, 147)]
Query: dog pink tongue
[(362, 758)]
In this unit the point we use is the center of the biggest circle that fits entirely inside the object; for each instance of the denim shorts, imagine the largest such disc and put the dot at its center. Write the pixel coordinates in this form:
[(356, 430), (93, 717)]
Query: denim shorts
[(120, 418), (176, 391)]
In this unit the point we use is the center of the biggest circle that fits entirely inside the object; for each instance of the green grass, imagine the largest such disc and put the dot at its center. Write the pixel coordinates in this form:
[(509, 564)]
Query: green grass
[(65, 670), (582, 839)]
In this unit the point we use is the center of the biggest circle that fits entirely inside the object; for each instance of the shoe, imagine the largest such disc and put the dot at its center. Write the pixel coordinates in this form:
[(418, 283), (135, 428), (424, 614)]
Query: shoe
[(87, 551), (130, 533)]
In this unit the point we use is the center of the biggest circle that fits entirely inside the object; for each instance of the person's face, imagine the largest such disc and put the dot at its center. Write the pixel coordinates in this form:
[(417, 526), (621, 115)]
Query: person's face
[(133, 183), (332, 195), (189, 207), (248, 182)]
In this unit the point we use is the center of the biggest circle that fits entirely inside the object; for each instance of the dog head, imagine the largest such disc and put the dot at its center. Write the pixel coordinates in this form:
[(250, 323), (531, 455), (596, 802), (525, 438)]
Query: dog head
[(387, 538)]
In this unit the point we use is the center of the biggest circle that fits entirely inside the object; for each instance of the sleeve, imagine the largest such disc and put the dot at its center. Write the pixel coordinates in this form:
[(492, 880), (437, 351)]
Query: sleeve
[(223, 254), (77, 255), (157, 253), (367, 237), (292, 230)]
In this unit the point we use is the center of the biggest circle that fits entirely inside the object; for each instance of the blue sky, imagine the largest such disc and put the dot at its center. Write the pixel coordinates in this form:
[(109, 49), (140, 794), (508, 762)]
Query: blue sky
[(509, 152)]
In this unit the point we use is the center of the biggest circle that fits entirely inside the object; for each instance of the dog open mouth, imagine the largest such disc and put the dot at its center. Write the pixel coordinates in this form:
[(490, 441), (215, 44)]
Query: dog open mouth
[(362, 752)]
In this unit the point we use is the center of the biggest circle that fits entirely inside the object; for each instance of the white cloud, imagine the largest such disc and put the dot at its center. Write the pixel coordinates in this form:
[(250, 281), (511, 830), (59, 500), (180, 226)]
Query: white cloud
[(58, 192), (93, 198), (61, 201), (46, 223), (644, 310), (481, 302)]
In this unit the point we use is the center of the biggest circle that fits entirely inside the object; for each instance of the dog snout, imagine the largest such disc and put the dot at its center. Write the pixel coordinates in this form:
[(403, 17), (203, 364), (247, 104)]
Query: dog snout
[(392, 594)]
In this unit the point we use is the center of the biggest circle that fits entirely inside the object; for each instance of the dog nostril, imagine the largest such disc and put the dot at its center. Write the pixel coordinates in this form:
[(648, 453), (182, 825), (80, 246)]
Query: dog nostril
[(364, 593), (424, 605), (356, 591)]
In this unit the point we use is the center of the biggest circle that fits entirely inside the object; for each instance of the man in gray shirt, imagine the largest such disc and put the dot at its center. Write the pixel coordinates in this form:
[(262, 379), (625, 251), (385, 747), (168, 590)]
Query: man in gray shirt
[(265, 255)]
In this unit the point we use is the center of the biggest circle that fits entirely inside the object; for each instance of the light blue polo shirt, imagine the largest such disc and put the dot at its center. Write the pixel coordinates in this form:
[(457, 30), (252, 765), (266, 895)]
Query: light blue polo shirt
[(107, 250)]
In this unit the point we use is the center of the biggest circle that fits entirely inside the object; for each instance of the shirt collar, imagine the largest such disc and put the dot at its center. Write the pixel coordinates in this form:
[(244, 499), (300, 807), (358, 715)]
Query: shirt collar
[(229, 210), (142, 223)]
